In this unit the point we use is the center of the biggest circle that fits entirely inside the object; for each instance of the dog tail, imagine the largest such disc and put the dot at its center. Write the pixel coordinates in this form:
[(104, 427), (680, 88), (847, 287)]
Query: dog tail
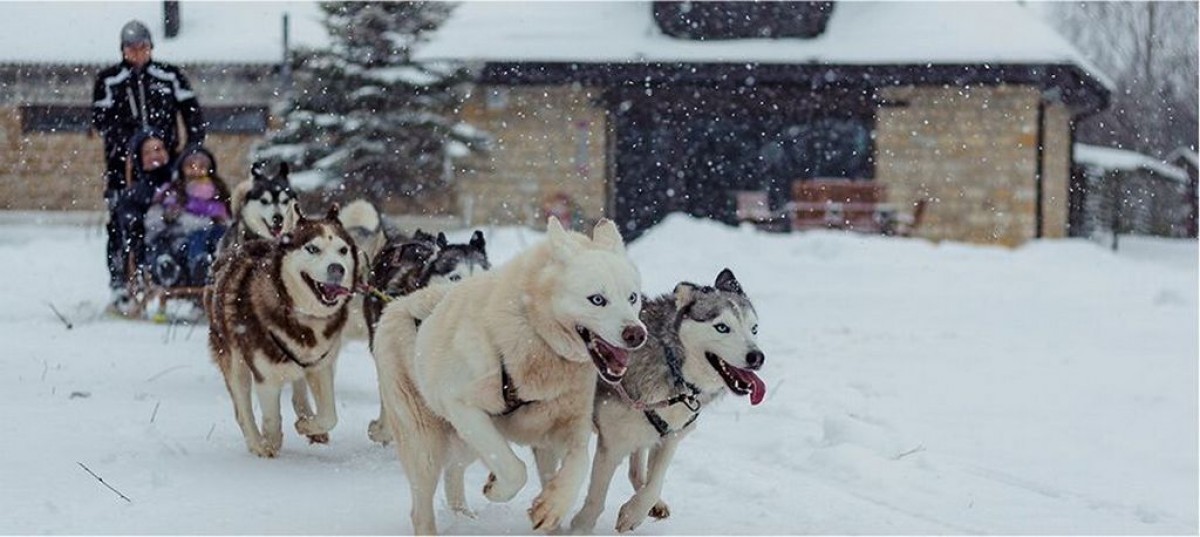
[(420, 436)]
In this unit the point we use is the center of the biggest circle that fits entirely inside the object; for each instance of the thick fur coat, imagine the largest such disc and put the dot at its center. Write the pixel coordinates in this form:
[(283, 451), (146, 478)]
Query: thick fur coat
[(703, 343), (546, 322), (276, 314), (405, 266)]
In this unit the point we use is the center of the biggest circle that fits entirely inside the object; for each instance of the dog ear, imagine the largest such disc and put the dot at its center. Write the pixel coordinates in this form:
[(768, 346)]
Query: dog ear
[(283, 171), (441, 240), (477, 241), (256, 171), (726, 282), (607, 236), (421, 235), (685, 293), (562, 247), (332, 214), (295, 210)]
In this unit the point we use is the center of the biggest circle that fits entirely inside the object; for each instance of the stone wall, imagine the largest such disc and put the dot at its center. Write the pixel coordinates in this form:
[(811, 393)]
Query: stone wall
[(546, 140), (971, 152)]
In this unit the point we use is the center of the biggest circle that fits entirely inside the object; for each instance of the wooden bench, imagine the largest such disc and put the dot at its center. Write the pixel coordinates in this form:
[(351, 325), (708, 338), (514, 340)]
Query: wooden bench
[(854, 205)]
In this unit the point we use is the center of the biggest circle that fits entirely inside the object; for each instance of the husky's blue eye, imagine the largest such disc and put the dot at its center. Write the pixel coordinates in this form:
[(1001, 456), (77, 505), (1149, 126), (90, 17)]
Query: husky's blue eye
[(598, 300), (312, 249), (633, 298), (722, 328)]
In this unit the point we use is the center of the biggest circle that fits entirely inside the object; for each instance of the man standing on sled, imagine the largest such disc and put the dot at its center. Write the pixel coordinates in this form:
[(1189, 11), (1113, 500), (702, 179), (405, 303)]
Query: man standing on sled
[(137, 94)]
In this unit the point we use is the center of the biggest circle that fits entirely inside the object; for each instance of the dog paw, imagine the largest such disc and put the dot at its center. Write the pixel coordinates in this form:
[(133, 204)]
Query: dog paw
[(263, 449), (660, 511), (580, 528), (273, 440), (312, 427), (318, 439), (502, 490), (547, 512), (463, 511), (378, 432), (631, 516)]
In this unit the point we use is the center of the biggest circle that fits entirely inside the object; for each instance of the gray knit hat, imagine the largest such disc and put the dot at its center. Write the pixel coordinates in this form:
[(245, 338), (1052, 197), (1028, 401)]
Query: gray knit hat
[(135, 32)]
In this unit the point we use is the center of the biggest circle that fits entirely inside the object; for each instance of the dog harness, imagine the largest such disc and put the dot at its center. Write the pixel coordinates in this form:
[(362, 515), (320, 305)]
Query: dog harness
[(690, 398), (367, 289), (290, 356), (512, 400)]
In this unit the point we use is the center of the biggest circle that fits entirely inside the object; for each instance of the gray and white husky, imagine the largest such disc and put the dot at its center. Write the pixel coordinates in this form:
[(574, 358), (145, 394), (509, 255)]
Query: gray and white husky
[(702, 343)]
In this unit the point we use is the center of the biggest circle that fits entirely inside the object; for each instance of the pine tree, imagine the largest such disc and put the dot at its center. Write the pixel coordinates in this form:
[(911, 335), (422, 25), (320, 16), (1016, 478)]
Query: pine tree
[(365, 117)]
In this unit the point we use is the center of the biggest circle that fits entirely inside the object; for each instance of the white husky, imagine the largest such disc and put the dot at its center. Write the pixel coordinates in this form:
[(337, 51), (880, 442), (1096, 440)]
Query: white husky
[(510, 354)]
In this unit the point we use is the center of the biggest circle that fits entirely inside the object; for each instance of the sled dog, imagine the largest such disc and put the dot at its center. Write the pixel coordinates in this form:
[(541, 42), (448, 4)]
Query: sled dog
[(407, 266), (702, 343), (365, 225), (276, 314), (509, 355), (262, 207), (404, 266)]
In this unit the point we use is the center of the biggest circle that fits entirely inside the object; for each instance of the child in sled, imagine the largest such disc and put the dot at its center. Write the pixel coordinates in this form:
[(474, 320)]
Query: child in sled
[(187, 220)]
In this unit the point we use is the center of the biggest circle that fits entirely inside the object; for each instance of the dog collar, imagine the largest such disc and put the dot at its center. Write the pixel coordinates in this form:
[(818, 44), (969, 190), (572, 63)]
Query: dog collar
[(287, 353)]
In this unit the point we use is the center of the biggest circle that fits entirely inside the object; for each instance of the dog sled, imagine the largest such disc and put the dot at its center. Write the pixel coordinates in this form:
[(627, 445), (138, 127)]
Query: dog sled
[(150, 300)]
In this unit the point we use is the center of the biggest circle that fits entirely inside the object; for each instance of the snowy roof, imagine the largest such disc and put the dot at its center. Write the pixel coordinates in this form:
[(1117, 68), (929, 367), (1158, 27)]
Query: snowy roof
[(210, 32), (1109, 158), (858, 33)]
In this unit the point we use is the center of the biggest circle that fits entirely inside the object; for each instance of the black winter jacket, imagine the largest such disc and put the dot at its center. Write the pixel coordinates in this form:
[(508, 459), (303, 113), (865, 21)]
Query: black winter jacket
[(125, 100)]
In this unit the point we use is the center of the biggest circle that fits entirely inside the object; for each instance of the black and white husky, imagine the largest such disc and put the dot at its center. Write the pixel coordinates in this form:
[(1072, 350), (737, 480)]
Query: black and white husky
[(703, 343), (263, 207), (404, 266)]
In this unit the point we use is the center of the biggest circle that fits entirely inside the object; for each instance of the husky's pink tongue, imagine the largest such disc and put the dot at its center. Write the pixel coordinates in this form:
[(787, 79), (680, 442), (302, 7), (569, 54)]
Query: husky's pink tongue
[(759, 391), (758, 388)]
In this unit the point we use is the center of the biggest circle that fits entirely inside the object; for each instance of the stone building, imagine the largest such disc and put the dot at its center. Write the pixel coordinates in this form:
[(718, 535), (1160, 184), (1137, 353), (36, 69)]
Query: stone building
[(50, 159), (638, 109)]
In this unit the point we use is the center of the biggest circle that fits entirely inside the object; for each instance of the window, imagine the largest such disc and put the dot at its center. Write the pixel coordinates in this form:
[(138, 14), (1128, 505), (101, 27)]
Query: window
[(63, 119), (236, 119), (55, 119), (820, 147)]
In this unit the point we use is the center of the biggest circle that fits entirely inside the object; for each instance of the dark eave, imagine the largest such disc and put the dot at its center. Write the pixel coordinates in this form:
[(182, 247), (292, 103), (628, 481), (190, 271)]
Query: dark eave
[(1080, 92)]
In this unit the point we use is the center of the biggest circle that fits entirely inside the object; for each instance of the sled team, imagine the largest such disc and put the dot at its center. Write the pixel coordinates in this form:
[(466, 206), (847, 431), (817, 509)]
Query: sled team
[(554, 344)]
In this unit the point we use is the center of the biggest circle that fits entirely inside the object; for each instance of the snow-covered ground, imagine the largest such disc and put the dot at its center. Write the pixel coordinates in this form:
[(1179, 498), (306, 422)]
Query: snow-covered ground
[(914, 388)]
